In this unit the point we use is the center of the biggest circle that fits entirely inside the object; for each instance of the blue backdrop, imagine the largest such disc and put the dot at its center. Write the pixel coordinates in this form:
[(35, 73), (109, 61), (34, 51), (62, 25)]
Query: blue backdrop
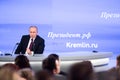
[(66, 25)]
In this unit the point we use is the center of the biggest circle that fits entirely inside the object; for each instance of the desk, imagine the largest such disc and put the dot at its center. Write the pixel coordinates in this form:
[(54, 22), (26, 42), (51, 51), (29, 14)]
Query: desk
[(98, 59)]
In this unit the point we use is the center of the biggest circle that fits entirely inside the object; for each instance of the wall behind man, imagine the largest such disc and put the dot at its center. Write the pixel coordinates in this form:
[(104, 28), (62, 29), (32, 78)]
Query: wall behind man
[(93, 24)]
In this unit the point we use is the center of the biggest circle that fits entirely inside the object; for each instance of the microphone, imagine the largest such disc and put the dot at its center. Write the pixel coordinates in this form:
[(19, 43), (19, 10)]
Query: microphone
[(9, 54), (94, 51), (15, 47)]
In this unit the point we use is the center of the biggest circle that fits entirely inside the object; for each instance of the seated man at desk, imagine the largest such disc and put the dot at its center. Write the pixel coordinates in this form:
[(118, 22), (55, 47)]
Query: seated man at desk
[(31, 44)]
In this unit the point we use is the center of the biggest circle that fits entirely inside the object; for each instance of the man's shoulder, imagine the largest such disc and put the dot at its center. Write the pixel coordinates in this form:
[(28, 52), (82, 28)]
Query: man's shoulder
[(25, 36), (40, 37)]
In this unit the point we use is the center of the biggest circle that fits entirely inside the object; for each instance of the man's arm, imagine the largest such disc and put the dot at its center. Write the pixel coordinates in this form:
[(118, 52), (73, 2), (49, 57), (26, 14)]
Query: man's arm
[(39, 46)]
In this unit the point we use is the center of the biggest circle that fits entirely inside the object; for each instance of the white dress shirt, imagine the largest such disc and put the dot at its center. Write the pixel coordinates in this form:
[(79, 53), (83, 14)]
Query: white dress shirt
[(30, 40)]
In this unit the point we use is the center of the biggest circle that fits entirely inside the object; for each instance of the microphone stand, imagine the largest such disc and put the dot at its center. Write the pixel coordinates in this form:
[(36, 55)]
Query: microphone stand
[(14, 48)]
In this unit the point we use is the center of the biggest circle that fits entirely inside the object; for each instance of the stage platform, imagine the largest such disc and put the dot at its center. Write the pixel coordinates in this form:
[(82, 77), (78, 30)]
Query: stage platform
[(98, 59)]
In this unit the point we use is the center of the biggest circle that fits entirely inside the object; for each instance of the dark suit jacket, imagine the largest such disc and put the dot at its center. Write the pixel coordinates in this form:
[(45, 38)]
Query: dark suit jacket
[(39, 45)]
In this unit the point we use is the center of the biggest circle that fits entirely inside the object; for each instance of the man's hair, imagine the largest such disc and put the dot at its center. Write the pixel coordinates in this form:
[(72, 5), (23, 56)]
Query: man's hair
[(11, 66), (33, 27), (54, 55), (118, 57), (22, 61), (81, 71), (27, 73), (118, 60), (49, 64), (43, 75)]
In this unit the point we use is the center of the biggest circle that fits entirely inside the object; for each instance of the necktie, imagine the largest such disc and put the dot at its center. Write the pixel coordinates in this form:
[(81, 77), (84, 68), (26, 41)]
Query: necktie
[(31, 45)]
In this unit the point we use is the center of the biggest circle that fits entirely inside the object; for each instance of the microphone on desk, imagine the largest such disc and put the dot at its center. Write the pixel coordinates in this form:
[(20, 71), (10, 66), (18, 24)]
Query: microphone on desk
[(15, 47), (94, 51), (10, 54)]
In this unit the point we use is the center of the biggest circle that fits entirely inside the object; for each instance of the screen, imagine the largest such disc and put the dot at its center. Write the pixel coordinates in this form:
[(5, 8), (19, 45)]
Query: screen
[(66, 25)]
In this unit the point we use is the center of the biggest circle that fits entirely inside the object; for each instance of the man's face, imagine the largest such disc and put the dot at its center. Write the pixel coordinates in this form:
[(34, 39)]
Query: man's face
[(33, 32), (117, 63), (57, 66)]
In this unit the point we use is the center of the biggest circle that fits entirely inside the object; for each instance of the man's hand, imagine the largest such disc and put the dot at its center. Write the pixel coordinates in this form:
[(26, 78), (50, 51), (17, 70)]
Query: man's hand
[(28, 51)]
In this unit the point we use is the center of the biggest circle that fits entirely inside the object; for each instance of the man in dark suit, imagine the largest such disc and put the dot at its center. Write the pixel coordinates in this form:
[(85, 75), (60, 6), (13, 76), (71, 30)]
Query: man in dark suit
[(31, 44)]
